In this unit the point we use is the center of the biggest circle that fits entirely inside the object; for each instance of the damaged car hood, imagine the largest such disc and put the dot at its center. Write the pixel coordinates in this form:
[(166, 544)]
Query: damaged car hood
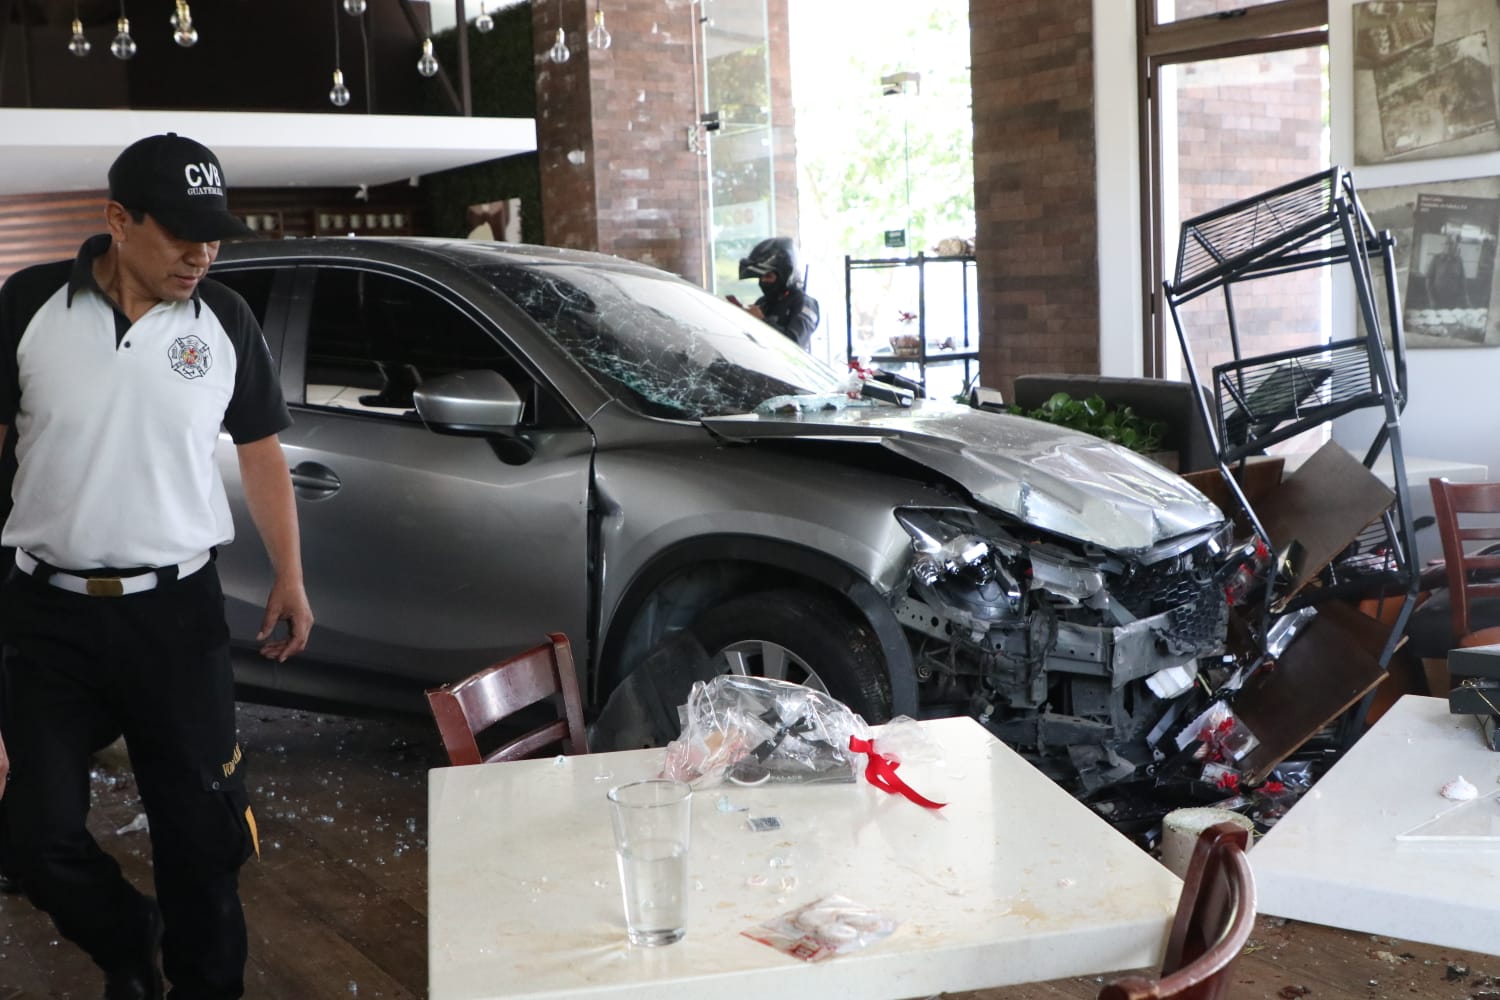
[(1056, 479)]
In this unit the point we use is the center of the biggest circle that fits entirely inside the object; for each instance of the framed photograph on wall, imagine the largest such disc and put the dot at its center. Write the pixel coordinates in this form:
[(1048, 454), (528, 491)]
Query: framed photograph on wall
[(1444, 259), (1425, 79)]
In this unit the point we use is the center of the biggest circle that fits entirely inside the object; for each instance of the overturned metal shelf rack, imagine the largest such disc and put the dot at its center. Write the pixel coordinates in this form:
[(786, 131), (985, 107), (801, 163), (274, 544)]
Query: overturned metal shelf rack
[(1258, 401)]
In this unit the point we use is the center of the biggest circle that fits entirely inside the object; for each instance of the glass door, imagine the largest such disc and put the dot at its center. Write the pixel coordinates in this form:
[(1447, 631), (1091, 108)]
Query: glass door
[(736, 138)]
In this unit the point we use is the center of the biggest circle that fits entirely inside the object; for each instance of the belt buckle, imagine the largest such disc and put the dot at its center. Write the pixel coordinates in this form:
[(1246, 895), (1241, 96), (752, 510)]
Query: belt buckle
[(105, 586)]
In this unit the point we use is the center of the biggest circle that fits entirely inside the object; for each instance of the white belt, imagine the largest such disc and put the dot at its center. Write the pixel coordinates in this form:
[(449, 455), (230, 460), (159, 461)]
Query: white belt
[(106, 586)]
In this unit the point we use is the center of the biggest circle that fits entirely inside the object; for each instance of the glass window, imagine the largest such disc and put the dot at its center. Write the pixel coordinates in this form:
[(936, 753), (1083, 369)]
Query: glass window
[(1186, 10), (1239, 107), (374, 338), (253, 284), (1242, 126)]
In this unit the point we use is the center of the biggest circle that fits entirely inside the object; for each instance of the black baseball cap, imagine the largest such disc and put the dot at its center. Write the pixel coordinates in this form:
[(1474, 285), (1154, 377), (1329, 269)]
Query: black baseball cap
[(179, 183)]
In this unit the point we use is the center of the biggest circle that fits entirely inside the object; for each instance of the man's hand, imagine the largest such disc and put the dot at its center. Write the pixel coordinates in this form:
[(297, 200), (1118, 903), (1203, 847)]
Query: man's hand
[(287, 603), (268, 494), (4, 768)]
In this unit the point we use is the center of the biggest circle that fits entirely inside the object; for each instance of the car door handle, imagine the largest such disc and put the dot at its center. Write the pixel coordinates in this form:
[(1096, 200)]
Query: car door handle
[(314, 481)]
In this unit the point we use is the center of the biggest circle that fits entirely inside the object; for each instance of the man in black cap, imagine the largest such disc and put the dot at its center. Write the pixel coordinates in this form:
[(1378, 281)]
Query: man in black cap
[(117, 370)]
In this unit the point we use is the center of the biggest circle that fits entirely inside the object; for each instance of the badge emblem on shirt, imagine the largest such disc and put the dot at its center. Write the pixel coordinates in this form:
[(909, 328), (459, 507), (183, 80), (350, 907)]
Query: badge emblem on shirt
[(190, 357)]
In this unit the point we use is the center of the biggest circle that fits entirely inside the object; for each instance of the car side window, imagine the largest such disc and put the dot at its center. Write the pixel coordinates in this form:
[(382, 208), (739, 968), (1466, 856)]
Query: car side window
[(253, 284), (374, 338)]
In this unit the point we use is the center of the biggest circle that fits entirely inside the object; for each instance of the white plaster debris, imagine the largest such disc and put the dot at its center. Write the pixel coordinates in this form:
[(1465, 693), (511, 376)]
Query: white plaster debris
[(1459, 790)]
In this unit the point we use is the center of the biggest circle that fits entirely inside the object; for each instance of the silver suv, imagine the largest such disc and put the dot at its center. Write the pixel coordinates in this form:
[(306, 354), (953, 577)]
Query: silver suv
[(493, 441)]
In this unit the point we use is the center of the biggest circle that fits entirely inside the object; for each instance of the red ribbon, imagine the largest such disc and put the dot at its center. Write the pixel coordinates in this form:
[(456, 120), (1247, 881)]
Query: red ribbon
[(881, 772)]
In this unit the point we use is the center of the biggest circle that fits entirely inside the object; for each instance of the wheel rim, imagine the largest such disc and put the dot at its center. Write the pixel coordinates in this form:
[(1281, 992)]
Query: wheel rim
[(761, 658)]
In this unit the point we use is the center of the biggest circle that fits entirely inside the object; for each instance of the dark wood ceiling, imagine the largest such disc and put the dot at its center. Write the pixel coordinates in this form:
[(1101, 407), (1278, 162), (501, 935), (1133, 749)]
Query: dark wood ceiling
[(45, 13), (39, 13)]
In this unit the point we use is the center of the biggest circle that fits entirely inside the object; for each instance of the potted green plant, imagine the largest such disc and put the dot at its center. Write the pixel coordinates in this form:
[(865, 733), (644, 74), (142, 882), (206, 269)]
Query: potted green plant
[(1119, 424)]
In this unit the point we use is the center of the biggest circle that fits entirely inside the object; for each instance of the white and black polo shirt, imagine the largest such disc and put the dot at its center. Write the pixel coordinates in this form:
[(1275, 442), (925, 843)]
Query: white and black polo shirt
[(117, 422)]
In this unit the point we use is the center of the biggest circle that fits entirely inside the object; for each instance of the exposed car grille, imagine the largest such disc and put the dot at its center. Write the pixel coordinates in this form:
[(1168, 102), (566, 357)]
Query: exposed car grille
[(1185, 590), (1198, 622)]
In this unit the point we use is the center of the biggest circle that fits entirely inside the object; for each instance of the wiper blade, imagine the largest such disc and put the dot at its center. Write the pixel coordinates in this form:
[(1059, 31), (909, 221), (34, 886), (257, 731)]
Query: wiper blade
[(877, 388)]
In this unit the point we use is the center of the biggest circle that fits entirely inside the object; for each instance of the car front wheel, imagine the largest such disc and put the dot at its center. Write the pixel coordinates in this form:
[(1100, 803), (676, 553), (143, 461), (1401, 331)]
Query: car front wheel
[(802, 637)]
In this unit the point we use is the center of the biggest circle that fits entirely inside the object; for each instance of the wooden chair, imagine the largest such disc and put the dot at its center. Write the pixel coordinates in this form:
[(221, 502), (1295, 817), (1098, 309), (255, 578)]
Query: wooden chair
[(1466, 610), (1473, 577), (1215, 916), (465, 709)]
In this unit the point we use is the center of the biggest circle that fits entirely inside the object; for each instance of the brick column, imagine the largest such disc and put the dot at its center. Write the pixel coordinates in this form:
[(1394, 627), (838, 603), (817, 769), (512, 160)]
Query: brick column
[(617, 174), (1034, 192)]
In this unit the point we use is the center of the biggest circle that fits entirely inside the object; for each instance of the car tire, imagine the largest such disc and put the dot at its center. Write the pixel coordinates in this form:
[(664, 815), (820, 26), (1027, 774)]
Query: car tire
[(799, 636)]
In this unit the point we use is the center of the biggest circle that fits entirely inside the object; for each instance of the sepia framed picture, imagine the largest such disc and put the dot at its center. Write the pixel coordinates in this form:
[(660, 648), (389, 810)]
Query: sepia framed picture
[(1425, 79), (1445, 245)]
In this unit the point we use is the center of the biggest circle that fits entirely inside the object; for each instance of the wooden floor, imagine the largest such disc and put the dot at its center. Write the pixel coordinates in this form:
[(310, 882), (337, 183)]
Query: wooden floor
[(336, 905)]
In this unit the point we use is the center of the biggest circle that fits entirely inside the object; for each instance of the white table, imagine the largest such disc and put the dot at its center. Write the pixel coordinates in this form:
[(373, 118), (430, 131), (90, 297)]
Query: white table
[(1014, 881), (1419, 470), (1335, 859)]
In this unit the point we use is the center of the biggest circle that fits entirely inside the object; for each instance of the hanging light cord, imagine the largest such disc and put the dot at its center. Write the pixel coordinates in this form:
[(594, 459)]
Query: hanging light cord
[(369, 84), (337, 62)]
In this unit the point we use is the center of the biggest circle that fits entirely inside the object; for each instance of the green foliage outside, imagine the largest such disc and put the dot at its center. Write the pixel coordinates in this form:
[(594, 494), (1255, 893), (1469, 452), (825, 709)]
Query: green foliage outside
[(868, 162), (1093, 415), (503, 86), (859, 151)]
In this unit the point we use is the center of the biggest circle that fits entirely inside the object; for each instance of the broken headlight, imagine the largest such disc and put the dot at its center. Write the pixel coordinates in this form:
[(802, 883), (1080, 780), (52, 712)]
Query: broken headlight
[(958, 564)]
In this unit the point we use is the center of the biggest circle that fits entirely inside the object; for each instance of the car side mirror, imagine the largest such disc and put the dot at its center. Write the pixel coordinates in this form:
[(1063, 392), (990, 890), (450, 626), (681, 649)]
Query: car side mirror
[(468, 402)]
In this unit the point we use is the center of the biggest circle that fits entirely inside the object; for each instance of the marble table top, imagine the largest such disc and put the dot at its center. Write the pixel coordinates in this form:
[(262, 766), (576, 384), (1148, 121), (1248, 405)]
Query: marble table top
[(1373, 846), (1013, 881)]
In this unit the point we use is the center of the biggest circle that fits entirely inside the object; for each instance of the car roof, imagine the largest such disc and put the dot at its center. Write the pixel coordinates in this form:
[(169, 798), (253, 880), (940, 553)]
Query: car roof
[(407, 249)]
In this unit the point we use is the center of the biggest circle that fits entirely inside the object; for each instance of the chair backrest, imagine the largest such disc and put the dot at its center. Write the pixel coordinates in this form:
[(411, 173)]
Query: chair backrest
[(1215, 916), (465, 709), (1471, 575)]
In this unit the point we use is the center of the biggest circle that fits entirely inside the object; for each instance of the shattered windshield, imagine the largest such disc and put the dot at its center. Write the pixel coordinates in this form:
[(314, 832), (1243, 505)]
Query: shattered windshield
[(660, 345)]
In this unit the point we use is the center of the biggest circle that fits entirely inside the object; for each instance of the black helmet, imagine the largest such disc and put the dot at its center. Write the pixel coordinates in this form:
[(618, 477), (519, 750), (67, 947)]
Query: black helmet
[(776, 255)]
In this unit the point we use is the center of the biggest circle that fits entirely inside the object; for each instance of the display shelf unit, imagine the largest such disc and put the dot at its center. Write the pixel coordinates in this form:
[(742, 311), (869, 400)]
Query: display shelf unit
[(1258, 401), (960, 331)]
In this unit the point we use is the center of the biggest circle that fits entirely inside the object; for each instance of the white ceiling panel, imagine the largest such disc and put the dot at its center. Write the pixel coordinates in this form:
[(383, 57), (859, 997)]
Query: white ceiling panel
[(70, 150)]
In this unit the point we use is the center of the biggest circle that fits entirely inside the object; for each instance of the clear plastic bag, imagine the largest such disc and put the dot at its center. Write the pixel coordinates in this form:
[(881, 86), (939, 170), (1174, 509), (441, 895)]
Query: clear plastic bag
[(905, 741), (750, 730)]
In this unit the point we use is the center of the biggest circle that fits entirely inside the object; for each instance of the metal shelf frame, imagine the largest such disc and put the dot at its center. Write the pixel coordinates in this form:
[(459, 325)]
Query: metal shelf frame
[(965, 351), (1255, 402)]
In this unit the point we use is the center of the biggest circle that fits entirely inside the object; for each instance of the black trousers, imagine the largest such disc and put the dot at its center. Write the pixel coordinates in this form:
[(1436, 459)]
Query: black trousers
[(80, 671)]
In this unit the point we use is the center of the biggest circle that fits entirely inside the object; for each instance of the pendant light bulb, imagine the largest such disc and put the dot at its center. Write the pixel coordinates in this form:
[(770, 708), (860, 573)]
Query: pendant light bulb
[(559, 52), (428, 64), (123, 47), (354, 7), (184, 34), (339, 95), (599, 34), (78, 44), (484, 23)]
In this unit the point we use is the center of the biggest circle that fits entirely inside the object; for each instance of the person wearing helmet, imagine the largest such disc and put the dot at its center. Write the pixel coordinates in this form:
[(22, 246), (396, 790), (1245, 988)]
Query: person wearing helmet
[(783, 303)]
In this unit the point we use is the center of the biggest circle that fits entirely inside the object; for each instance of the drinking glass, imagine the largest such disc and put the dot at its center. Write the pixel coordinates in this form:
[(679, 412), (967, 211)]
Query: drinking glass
[(652, 821)]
